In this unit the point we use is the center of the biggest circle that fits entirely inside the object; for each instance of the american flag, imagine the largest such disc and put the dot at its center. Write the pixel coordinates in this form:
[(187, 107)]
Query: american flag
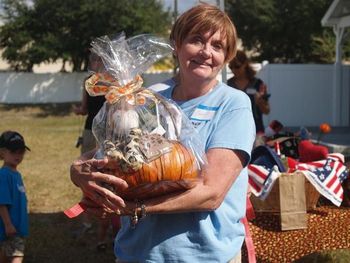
[(325, 175), (261, 179)]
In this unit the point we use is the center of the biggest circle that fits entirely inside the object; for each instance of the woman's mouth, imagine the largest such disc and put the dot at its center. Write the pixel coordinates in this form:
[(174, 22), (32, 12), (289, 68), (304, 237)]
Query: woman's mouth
[(204, 64)]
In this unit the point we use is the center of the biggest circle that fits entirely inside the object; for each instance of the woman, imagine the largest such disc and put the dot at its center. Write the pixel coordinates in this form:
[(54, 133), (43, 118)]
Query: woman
[(201, 224), (244, 79)]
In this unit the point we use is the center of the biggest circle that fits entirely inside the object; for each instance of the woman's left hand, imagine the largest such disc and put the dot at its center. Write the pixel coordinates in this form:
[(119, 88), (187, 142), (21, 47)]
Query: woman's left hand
[(262, 103)]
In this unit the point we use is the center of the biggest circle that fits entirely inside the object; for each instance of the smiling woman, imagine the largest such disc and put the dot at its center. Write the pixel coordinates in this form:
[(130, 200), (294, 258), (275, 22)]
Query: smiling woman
[(205, 221), (201, 49), (201, 57)]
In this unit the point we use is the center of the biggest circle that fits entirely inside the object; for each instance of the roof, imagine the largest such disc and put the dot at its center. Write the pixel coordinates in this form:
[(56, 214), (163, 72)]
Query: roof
[(338, 14)]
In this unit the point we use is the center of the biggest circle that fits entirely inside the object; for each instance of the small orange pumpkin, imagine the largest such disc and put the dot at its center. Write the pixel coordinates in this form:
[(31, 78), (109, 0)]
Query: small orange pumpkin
[(170, 172), (325, 128)]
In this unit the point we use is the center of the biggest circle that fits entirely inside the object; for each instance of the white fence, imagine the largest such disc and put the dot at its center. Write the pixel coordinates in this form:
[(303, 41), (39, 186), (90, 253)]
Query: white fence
[(23, 88), (306, 94), (300, 94)]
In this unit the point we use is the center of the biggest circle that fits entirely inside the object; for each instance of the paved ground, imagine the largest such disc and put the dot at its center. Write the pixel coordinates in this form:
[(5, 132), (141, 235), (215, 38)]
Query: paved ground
[(338, 140), (338, 135)]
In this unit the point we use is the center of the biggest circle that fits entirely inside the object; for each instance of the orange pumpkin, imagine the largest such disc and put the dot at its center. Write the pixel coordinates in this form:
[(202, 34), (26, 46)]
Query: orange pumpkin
[(325, 128), (170, 172)]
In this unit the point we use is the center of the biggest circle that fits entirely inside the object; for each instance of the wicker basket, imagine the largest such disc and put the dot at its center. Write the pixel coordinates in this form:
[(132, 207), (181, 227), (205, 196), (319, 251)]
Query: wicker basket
[(272, 203)]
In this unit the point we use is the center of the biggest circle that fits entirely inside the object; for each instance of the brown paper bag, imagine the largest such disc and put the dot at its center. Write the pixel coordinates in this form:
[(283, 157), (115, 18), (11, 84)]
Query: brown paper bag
[(292, 201)]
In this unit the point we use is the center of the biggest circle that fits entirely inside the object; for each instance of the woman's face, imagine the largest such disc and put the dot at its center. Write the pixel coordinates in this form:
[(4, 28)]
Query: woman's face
[(238, 72), (238, 68), (201, 56)]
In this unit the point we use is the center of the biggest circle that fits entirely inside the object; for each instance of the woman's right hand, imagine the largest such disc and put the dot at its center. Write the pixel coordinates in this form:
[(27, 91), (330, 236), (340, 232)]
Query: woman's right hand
[(79, 110), (87, 175)]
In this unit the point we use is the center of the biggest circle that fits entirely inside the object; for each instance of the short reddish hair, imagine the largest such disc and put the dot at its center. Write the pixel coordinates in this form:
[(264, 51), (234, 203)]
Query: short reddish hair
[(205, 18)]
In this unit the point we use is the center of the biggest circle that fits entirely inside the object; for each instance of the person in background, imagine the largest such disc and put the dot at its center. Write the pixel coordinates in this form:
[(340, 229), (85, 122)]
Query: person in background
[(244, 79), (90, 106), (202, 224), (13, 199)]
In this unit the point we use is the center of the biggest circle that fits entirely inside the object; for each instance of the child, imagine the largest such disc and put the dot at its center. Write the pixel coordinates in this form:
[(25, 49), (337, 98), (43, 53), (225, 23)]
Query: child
[(13, 200)]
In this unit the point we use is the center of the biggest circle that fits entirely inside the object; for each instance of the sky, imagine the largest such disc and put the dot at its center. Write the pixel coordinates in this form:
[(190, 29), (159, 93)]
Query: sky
[(183, 5)]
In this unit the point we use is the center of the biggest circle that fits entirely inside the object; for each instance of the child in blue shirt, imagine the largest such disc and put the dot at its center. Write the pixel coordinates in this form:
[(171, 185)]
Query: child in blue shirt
[(13, 200)]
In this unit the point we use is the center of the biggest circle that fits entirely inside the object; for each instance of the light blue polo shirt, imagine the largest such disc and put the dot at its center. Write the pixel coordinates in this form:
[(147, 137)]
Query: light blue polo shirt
[(223, 119)]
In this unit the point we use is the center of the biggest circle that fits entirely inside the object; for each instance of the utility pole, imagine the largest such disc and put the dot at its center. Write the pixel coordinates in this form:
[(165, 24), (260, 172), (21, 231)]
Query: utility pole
[(221, 5), (175, 13)]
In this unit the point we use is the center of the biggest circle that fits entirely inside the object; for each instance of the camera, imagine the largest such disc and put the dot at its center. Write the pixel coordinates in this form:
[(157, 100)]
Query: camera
[(79, 142), (266, 96)]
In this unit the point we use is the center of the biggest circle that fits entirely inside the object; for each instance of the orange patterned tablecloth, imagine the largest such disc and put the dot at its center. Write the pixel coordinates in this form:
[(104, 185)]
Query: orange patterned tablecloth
[(328, 229)]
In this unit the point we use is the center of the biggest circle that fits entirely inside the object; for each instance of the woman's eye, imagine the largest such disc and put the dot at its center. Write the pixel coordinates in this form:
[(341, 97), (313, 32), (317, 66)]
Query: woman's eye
[(217, 46), (196, 39)]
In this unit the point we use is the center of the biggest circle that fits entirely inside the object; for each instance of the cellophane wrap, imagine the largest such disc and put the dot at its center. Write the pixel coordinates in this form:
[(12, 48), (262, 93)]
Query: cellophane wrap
[(147, 139)]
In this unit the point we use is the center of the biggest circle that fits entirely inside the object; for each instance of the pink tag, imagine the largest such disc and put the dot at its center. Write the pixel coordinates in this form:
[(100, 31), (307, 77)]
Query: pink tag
[(74, 211)]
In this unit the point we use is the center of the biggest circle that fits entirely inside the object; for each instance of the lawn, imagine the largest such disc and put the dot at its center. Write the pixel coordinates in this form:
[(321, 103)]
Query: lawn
[(51, 132)]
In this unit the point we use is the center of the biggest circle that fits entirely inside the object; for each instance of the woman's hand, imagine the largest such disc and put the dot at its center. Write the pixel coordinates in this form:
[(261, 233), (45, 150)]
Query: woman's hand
[(261, 99), (88, 176), (79, 110)]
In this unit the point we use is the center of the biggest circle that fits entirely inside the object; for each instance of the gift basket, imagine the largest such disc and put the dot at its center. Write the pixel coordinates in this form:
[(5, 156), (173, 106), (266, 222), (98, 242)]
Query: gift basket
[(146, 138)]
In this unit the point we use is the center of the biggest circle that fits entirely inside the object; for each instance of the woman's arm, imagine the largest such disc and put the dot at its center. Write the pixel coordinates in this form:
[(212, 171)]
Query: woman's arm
[(224, 166), (82, 109)]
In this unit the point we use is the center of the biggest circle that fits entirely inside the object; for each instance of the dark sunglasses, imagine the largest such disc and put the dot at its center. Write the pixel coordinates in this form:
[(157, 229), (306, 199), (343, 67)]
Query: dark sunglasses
[(237, 65)]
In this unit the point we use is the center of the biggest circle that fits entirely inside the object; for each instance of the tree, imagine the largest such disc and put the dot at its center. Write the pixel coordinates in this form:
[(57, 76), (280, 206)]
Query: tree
[(50, 30), (323, 47), (14, 36), (280, 30)]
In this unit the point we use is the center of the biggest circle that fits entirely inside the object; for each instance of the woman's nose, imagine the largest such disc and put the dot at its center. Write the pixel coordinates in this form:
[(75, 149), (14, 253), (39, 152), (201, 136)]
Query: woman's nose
[(205, 51)]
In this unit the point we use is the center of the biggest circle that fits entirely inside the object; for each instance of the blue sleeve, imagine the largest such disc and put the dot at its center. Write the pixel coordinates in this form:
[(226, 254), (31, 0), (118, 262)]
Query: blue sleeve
[(235, 130)]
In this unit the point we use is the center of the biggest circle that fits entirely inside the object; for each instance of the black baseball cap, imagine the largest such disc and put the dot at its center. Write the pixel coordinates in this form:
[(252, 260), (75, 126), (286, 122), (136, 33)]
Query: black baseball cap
[(12, 141)]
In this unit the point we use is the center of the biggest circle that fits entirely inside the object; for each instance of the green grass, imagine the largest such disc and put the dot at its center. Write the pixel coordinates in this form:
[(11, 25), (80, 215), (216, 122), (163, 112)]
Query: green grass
[(336, 256), (51, 132)]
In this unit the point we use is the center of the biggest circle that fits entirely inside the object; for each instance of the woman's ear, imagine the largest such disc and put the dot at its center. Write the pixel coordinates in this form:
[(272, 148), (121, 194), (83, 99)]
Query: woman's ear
[(175, 50)]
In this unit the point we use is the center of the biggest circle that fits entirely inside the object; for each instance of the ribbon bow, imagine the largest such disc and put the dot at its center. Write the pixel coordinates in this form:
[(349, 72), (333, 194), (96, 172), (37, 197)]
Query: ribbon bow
[(104, 84)]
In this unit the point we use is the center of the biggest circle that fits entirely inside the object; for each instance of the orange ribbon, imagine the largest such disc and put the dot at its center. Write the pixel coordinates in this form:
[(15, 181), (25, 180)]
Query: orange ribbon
[(104, 84)]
